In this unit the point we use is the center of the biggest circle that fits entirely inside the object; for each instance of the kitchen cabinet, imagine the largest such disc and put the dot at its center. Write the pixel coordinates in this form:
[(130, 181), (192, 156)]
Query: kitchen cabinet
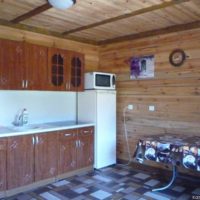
[(67, 151), (46, 154), (26, 159), (23, 66), (76, 71), (11, 65), (58, 69), (76, 149), (36, 77), (20, 161), (85, 150), (3, 149)]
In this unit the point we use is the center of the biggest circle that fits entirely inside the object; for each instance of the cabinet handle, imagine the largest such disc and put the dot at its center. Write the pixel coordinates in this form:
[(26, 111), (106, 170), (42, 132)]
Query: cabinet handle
[(67, 134), (23, 84), (79, 143), (76, 143), (33, 140), (86, 132), (37, 140), (26, 84)]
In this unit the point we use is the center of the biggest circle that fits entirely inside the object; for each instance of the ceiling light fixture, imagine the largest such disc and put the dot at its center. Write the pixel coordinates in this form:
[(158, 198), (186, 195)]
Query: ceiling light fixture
[(62, 4)]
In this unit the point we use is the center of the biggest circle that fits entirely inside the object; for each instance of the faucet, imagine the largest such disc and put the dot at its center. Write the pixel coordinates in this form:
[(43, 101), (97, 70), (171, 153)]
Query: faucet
[(21, 118)]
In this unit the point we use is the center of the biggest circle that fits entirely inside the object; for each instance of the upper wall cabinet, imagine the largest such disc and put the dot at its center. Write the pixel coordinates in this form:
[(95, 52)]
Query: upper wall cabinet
[(58, 70), (11, 65), (23, 66), (76, 71), (35, 67)]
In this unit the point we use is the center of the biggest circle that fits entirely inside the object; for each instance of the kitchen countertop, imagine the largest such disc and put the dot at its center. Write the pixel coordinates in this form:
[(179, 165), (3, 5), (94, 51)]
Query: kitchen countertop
[(40, 128)]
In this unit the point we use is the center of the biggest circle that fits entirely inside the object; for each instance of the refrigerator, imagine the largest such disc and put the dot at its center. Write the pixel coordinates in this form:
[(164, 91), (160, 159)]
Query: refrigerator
[(99, 107)]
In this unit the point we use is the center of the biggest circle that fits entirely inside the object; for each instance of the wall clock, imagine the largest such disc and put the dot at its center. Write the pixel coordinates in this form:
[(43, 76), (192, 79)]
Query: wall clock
[(177, 57)]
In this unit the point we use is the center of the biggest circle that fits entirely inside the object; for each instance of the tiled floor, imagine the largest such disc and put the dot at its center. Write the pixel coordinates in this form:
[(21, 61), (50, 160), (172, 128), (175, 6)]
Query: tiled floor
[(117, 183)]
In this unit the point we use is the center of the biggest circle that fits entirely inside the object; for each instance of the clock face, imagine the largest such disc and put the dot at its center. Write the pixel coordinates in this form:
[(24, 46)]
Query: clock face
[(177, 57)]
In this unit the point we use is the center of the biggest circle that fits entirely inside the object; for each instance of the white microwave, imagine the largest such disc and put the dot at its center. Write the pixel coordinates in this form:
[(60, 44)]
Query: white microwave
[(100, 80)]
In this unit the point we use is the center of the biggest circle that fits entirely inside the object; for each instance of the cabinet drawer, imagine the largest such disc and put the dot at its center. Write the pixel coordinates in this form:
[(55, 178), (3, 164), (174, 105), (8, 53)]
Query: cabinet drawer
[(68, 134), (86, 131)]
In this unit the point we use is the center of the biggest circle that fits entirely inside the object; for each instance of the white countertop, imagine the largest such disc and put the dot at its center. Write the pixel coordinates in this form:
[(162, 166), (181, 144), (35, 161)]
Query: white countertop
[(41, 128)]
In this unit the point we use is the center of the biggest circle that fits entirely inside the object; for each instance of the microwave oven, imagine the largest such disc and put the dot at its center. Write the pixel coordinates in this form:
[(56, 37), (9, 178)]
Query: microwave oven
[(100, 80)]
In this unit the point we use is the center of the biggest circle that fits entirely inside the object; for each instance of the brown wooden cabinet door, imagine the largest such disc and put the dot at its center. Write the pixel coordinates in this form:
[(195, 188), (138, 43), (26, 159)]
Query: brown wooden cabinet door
[(85, 150), (12, 65), (58, 69), (76, 71), (46, 155), (3, 148), (20, 161), (67, 151), (36, 67), (2, 84)]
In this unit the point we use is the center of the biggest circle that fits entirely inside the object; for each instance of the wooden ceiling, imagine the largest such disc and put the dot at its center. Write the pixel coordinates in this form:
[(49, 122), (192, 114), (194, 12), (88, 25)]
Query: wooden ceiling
[(102, 21)]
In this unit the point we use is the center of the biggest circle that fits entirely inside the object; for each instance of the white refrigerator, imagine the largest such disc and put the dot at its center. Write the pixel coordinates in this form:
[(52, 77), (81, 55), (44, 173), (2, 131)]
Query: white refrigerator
[(99, 107)]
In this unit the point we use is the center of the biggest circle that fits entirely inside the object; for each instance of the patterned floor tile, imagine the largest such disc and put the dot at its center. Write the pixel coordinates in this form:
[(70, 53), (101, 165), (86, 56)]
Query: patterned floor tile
[(80, 190), (128, 190), (178, 188), (101, 178), (60, 183), (49, 196), (100, 194), (112, 183), (155, 196), (68, 193), (152, 182), (132, 197), (88, 181), (141, 176)]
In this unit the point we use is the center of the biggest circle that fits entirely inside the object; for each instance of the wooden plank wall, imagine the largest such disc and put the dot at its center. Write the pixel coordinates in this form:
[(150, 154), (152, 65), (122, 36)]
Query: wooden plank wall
[(91, 52), (175, 91)]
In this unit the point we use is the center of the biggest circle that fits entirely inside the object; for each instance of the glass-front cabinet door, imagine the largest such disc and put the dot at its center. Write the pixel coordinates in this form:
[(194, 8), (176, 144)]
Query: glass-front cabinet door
[(58, 69), (76, 72)]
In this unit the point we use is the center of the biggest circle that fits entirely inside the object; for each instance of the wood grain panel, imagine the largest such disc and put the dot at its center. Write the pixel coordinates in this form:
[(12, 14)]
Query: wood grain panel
[(46, 155), (91, 52), (85, 151), (67, 160), (3, 148), (20, 161), (175, 91)]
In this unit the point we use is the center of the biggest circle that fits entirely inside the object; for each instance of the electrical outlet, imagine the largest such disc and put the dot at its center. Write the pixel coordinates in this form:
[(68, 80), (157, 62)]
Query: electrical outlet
[(151, 108), (130, 107)]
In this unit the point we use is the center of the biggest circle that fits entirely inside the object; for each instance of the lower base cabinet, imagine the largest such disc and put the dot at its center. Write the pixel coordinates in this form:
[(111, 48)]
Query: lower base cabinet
[(67, 151), (20, 161), (46, 154), (76, 149), (85, 150), (36, 157), (3, 148)]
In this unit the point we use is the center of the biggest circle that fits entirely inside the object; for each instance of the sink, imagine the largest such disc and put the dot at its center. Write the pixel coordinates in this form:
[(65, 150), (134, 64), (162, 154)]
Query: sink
[(29, 127)]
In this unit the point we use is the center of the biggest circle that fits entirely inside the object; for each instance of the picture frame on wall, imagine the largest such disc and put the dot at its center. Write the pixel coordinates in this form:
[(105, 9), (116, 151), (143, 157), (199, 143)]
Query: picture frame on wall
[(142, 67)]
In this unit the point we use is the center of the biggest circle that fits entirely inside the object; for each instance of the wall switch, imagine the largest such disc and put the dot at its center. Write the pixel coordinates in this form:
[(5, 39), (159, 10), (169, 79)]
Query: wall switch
[(151, 108), (130, 107)]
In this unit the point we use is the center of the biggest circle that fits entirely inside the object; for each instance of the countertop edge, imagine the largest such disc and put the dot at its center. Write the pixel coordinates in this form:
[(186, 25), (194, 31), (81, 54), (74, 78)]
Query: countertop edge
[(44, 130)]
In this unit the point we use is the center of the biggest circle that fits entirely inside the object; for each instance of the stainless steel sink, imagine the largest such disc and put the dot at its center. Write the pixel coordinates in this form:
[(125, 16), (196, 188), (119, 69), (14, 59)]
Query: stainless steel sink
[(29, 127)]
